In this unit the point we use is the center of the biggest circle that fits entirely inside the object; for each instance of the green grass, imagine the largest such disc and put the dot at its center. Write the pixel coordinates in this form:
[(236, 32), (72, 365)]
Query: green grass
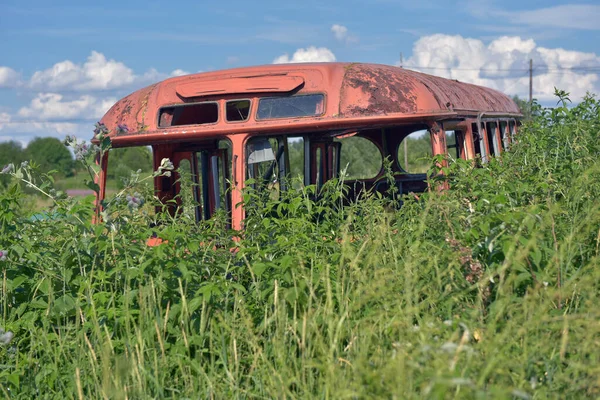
[(488, 290), (78, 180)]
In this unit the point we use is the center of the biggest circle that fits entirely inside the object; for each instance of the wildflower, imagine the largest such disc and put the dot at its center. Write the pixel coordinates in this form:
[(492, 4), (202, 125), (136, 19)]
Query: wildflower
[(100, 130), (3, 254), (122, 129), (165, 168), (105, 215), (8, 168), (533, 382), (5, 337), (81, 150), (24, 164), (134, 201)]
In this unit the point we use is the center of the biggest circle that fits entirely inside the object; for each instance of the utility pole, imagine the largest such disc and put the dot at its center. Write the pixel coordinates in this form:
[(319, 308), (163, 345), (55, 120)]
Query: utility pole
[(401, 60), (530, 81), (406, 154)]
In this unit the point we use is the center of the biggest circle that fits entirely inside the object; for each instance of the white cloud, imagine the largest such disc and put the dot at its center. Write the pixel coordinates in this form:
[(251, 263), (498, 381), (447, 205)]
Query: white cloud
[(9, 77), (54, 107), (310, 54), (97, 73), (570, 16), (179, 72), (503, 65), (63, 99), (340, 32)]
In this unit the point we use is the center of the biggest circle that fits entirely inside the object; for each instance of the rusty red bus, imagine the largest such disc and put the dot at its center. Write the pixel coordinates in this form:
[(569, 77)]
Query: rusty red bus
[(231, 125)]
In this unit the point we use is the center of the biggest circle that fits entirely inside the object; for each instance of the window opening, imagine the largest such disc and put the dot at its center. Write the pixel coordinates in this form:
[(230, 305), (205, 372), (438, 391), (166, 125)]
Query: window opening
[(237, 110), (203, 181), (318, 167), (264, 159), (189, 114), (415, 152), (214, 160), (360, 157), (492, 138), (307, 161), (189, 189), (453, 142), (122, 162), (513, 130), (333, 159), (478, 141), (292, 106), (505, 134)]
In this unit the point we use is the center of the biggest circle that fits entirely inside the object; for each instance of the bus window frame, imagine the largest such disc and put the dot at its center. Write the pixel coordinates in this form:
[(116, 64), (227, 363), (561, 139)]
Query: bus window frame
[(251, 110), (219, 112), (324, 94)]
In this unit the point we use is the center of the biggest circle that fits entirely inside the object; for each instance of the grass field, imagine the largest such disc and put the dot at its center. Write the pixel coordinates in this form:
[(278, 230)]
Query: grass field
[(487, 290)]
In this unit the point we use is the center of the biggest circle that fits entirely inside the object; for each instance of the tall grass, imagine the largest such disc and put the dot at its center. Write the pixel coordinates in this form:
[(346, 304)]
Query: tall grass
[(488, 290)]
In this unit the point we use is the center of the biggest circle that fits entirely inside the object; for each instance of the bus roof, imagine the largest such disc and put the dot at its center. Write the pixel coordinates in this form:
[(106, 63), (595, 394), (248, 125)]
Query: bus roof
[(355, 95)]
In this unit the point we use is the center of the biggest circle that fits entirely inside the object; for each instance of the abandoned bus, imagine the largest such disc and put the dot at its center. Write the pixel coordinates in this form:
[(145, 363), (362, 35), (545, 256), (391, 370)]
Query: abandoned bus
[(229, 126)]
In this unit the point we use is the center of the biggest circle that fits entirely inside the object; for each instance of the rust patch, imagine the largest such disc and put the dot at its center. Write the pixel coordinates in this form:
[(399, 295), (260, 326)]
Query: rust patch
[(385, 92)]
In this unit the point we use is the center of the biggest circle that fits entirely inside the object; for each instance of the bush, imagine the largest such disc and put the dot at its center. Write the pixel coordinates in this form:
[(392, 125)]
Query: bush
[(487, 290)]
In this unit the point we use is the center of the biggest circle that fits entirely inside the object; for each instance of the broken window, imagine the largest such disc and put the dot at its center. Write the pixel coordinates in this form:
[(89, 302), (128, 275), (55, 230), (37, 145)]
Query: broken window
[(237, 110), (189, 114), (288, 107)]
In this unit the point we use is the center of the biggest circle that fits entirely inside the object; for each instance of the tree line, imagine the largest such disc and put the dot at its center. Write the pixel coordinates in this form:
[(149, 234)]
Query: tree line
[(50, 154)]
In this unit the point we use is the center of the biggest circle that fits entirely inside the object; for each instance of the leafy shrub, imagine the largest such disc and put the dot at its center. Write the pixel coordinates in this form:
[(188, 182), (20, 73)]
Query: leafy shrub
[(485, 290)]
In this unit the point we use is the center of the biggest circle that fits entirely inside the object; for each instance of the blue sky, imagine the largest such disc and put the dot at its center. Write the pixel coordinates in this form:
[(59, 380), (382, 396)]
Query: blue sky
[(64, 63)]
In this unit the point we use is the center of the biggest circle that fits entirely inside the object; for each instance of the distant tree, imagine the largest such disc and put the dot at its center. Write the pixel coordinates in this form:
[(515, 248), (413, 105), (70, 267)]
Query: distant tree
[(524, 106), (361, 158), (10, 152), (419, 153), (50, 154), (122, 162)]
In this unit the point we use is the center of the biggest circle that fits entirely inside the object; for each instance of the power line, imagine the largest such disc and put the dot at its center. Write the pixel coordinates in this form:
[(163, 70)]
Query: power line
[(539, 68)]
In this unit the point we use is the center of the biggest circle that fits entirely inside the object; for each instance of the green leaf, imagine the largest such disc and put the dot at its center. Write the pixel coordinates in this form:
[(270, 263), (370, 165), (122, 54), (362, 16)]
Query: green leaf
[(38, 303), (14, 379), (259, 268), (64, 305), (92, 185)]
